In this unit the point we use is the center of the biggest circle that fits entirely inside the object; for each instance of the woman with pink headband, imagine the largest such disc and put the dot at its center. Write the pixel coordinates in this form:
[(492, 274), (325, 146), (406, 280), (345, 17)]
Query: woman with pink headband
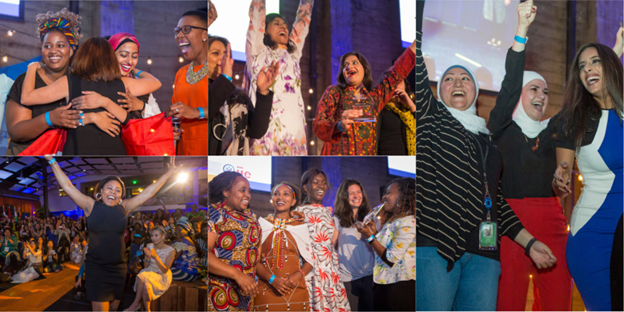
[(126, 47)]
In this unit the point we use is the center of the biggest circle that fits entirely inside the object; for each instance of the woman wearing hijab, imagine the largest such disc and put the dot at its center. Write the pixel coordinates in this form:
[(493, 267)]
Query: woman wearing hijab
[(527, 146), (460, 210)]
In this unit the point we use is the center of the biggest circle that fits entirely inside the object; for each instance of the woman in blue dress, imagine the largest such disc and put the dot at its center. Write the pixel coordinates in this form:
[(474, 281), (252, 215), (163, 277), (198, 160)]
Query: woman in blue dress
[(591, 130)]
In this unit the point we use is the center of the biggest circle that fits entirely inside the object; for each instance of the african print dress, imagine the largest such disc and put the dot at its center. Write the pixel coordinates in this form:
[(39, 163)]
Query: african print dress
[(287, 127), (237, 245), (327, 292)]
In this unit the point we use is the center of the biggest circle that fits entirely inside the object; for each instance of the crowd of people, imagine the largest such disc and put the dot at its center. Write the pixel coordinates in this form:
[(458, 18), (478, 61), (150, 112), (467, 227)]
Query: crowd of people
[(306, 256), (269, 117), (486, 188), (146, 249), (88, 92)]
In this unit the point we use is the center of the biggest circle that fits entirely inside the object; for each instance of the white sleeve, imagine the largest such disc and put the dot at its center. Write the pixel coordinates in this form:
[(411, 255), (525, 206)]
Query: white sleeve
[(151, 107)]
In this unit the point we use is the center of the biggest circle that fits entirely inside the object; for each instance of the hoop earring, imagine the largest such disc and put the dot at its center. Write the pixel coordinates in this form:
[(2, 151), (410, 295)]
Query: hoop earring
[(98, 198), (120, 201)]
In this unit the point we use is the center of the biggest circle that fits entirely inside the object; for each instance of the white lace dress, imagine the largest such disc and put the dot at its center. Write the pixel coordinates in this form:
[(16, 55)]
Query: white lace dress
[(156, 283)]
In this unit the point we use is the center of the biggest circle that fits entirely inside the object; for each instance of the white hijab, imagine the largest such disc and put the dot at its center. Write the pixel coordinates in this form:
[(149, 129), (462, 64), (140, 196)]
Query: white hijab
[(531, 128), (468, 118)]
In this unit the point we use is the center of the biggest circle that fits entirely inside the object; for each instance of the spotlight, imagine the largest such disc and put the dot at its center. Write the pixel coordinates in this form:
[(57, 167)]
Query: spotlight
[(11, 32), (182, 177), (311, 90), (312, 142), (236, 77), (180, 59), (149, 61), (5, 58), (580, 177), (309, 107)]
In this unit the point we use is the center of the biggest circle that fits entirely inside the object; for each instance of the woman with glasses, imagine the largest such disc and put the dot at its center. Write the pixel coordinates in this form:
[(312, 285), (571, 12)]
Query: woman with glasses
[(190, 95)]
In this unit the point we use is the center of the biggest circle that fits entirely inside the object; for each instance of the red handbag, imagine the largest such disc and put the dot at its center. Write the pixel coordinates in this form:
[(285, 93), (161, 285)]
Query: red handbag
[(151, 136), (50, 142)]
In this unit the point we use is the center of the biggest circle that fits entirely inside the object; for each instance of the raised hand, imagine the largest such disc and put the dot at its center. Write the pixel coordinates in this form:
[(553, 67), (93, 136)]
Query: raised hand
[(541, 255), (212, 13), (526, 14), (561, 179), (266, 79), (226, 62), (619, 41)]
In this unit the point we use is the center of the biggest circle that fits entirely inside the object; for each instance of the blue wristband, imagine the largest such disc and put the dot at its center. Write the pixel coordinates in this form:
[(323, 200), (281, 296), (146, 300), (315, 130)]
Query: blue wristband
[(52, 161), (201, 112), (228, 77), (340, 127), (48, 121), (521, 40), (271, 279), (370, 239), (80, 120), (139, 73)]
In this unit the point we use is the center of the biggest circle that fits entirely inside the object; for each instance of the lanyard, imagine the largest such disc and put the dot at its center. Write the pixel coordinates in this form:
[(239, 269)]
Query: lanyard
[(487, 200)]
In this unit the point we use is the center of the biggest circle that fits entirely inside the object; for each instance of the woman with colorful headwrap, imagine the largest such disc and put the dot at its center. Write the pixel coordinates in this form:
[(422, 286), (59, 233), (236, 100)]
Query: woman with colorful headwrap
[(59, 34), (527, 145), (185, 263), (95, 71), (190, 95), (126, 47)]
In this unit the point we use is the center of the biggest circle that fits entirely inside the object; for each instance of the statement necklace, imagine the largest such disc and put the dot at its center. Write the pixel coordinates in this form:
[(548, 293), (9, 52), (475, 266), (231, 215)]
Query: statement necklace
[(279, 240), (193, 77)]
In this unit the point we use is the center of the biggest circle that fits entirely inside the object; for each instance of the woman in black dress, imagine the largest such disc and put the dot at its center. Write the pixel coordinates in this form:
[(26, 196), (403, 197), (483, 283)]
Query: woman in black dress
[(107, 219), (92, 86)]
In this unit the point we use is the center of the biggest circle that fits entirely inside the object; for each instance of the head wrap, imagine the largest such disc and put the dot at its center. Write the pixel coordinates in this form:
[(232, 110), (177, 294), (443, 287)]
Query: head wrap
[(468, 118), (61, 24), (531, 128), (185, 225), (118, 39)]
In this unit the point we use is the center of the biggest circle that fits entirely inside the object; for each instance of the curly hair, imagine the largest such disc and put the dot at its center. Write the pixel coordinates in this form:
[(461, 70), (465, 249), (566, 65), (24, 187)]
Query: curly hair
[(71, 17), (220, 183), (406, 203), (293, 188), (343, 210)]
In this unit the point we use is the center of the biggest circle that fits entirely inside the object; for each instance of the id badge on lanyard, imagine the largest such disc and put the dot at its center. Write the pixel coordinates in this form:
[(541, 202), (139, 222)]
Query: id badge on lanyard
[(488, 236)]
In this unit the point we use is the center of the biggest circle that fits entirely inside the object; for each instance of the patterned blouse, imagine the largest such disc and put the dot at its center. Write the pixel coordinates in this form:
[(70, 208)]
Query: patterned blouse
[(237, 246), (287, 128), (399, 239), (361, 138)]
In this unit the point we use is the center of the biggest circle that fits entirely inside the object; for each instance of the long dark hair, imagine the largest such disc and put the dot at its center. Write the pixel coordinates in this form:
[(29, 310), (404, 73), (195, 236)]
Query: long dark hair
[(305, 179), (579, 105), (343, 210), (220, 183), (407, 202), (290, 46), (368, 76)]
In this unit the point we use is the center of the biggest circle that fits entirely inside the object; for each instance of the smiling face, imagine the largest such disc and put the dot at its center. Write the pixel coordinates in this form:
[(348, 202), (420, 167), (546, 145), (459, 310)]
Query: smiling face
[(56, 51), (353, 70), (535, 98), (316, 188), (192, 44), (127, 56), (215, 55), (457, 89), (50, 245), (590, 67), (277, 30), (157, 237), (283, 199), (111, 193), (391, 199), (355, 196), (238, 195)]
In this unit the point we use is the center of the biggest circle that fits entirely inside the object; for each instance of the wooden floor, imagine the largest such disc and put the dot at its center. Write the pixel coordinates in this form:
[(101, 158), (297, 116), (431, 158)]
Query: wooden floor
[(577, 302), (38, 295)]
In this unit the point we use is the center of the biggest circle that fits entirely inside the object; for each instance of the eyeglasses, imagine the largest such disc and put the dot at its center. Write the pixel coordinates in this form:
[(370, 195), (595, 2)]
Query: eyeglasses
[(186, 29)]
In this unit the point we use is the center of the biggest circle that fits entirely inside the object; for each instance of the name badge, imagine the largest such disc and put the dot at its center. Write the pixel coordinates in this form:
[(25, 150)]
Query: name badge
[(487, 236)]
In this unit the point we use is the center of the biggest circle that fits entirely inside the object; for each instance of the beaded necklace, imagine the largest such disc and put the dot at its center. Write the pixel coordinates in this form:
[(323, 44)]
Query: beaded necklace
[(279, 240), (193, 77)]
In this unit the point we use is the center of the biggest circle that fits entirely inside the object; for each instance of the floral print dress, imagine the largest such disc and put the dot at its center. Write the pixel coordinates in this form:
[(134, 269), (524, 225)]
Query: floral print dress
[(237, 245), (287, 128), (327, 292), (399, 239)]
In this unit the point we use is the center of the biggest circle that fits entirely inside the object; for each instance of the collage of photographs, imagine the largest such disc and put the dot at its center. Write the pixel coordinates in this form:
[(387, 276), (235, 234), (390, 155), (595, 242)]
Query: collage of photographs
[(311, 155)]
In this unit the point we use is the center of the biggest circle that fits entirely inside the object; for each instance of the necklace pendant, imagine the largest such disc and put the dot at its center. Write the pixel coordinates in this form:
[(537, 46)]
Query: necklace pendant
[(288, 307)]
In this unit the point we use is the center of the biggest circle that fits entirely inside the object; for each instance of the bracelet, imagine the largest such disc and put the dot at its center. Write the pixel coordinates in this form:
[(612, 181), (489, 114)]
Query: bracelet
[(201, 112), (80, 120), (138, 74), (528, 246), (370, 239), (519, 39), (302, 274), (48, 121), (340, 127), (52, 161), (228, 77), (271, 279)]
